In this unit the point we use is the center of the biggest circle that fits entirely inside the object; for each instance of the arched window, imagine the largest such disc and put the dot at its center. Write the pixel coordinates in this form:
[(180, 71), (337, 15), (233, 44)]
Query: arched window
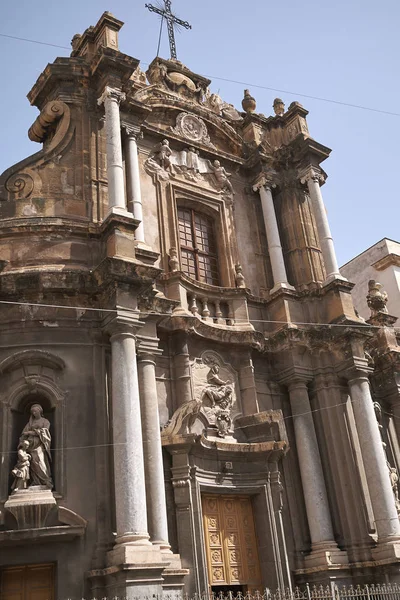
[(198, 249)]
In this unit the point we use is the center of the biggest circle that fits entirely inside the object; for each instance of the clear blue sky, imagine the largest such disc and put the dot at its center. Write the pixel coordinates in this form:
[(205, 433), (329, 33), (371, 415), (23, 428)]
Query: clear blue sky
[(346, 50)]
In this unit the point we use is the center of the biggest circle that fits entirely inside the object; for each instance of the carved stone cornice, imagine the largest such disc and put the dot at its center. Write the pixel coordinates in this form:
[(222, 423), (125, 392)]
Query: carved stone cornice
[(113, 94)]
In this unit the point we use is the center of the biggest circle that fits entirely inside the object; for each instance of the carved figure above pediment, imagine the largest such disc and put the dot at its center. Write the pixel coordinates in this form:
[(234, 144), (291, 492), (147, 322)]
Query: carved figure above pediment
[(174, 76), (215, 103), (188, 164)]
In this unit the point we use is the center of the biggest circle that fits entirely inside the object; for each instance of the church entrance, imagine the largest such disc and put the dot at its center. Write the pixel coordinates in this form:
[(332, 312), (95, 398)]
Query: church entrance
[(27, 582), (231, 545)]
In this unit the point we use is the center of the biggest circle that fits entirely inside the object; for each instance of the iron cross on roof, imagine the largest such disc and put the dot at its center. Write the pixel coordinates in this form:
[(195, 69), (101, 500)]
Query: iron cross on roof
[(171, 21)]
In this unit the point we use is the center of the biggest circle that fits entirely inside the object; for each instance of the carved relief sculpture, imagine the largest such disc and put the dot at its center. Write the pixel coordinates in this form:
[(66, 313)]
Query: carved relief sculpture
[(166, 163), (35, 441), (220, 394), (192, 128)]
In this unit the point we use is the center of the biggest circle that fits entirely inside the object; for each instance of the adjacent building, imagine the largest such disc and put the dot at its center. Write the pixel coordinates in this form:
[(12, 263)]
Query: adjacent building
[(380, 262), (189, 401)]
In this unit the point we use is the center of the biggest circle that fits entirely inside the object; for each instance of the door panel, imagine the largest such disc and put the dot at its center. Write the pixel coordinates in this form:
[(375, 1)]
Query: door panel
[(231, 544), (28, 582)]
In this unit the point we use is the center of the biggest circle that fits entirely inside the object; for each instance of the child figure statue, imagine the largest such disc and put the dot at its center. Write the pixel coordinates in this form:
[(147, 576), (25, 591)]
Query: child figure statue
[(21, 469)]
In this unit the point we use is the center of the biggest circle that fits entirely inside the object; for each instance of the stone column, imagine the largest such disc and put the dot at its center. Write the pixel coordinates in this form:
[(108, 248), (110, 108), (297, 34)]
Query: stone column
[(312, 477), (153, 461), (133, 177), (312, 178), (183, 383), (115, 172), (130, 490), (380, 488), (273, 239)]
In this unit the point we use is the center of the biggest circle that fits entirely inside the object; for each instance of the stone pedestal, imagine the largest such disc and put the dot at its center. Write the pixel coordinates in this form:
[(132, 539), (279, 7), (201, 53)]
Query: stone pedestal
[(31, 507)]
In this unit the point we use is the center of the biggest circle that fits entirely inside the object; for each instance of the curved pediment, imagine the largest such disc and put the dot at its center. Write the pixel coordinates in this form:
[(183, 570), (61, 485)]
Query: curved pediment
[(32, 357)]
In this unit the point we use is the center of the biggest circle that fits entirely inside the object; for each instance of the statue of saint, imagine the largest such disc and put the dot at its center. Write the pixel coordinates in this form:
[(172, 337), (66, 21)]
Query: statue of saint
[(37, 433), (21, 469)]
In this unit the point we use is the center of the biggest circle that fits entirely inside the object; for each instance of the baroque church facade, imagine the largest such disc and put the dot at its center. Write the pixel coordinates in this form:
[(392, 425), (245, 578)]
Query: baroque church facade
[(189, 401)]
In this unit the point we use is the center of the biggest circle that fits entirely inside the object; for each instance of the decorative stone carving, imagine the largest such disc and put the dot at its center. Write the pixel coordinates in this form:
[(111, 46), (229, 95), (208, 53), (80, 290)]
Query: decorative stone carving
[(376, 299), (43, 127), (21, 470), (215, 402), (182, 419), (173, 76), (165, 163), (239, 277), (279, 107), (173, 260), (394, 480), (20, 185), (215, 103), (221, 176), (248, 103), (35, 440), (192, 128)]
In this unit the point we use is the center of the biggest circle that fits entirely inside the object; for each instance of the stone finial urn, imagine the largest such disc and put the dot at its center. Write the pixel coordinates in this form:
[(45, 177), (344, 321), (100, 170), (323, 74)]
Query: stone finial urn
[(248, 102), (279, 107)]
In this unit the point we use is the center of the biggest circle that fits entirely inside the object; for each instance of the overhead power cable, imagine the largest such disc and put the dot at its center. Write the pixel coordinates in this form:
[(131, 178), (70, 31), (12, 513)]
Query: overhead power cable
[(245, 83), (360, 325)]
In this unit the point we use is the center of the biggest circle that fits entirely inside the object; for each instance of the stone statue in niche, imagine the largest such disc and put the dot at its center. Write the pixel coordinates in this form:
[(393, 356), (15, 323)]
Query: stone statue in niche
[(376, 299), (21, 470), (35, 441)]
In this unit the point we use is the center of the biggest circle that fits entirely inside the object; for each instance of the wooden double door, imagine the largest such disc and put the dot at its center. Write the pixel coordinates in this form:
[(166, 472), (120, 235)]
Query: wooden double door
[(27, 582), (231, 544)]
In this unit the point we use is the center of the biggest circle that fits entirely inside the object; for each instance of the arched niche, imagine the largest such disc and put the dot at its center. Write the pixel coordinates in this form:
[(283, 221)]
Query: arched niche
[(27, 378)]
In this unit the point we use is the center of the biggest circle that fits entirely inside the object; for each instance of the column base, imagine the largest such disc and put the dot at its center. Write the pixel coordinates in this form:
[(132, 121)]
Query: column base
[(282, 285), (326, 555), (332, 277), (387, 551), (120, 211)]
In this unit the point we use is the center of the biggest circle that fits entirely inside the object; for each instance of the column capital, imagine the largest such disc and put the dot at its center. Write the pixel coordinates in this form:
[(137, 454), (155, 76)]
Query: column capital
[(132, 131), (264, 181), (113, 94), (122, 325), (311, 174), (148, 355)]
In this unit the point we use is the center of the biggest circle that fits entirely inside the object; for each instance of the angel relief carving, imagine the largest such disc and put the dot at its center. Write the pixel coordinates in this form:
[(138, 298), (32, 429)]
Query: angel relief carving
[(164, 163)]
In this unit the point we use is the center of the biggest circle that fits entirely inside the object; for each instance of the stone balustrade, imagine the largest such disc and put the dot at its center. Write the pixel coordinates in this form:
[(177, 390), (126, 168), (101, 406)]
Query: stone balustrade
[(218, 306)]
